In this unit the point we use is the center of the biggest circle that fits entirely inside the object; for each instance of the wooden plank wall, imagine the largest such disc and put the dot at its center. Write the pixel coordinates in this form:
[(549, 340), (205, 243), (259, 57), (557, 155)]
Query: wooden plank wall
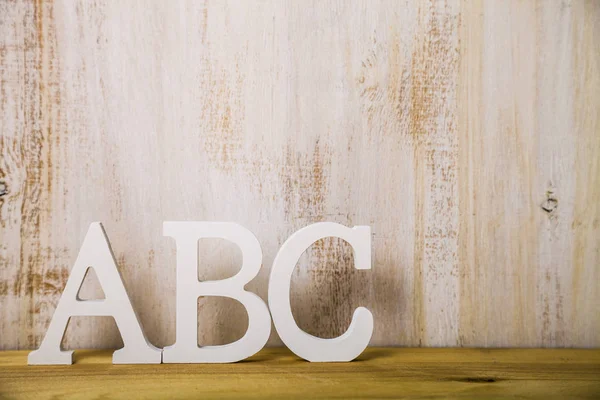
[(467, 134)]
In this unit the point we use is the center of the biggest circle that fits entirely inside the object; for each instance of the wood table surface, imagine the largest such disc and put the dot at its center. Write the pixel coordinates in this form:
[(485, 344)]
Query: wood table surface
[(277, 373)]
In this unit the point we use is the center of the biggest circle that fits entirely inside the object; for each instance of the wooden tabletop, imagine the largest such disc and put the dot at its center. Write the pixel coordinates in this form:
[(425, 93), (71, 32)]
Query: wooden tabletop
[(277, 373)]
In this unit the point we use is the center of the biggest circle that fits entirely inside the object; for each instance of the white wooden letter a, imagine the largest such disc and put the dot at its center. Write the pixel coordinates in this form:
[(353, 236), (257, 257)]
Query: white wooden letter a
[(96, 253)]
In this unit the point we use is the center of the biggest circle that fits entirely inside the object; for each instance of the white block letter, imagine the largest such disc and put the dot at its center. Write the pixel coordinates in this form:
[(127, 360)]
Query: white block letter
[(345, 347), (96, 253), (186, 349)]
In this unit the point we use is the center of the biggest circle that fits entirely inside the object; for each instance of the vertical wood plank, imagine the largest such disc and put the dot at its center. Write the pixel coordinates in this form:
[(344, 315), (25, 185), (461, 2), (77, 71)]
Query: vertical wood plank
[(584, 319), (522, 124)]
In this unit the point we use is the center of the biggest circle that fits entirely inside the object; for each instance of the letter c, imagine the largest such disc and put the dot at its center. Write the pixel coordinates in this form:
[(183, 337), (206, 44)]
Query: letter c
[(345, 347)]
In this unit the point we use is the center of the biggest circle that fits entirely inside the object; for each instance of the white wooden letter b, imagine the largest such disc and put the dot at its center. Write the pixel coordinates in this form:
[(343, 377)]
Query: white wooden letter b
[(186, 349)]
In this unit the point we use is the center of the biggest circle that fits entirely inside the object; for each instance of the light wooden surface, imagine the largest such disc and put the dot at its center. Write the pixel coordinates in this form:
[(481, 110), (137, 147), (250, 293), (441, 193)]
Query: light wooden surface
[(466, 134), (277, 373)]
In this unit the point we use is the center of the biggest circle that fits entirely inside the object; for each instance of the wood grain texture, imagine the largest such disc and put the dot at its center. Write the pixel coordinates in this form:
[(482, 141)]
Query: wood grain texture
[(465, 133), (277, 373)]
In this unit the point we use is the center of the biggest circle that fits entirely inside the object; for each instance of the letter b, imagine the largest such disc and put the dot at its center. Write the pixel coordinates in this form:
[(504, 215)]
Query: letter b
[(186, 349)]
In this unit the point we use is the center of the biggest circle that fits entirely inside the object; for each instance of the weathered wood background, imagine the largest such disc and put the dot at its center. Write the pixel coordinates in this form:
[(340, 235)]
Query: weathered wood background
[(467, 134)]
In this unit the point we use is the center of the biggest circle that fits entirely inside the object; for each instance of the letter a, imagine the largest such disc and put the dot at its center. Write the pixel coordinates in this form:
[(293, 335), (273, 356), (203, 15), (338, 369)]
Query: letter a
[(96, 253), (185, 349)]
